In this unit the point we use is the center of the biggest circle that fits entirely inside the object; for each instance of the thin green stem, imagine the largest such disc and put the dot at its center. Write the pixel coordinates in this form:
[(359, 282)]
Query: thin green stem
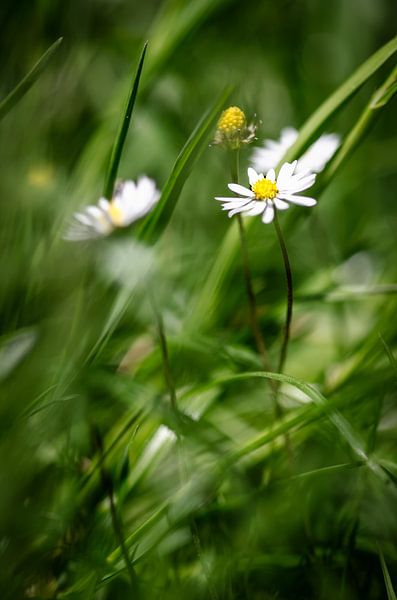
[(169, 379), (290, 295), (107, 484), (24, 86)]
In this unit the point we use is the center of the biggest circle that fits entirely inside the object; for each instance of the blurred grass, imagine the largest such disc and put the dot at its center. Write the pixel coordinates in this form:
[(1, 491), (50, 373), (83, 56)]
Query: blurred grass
[(323, 528)]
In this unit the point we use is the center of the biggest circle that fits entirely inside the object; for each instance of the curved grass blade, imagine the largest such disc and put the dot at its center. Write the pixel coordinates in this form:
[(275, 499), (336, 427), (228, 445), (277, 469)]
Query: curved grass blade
[(344, 427), (175, 21), (391, 595), (123, 129), (203, 312), (24, 86), (316, 122), (158, 219), (171, 511), (378, 100)]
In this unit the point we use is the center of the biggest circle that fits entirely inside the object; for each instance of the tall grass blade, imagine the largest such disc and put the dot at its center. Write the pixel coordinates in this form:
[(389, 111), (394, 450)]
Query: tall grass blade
[(335, 102), (175, 21), (123, 129), (24, 86), (378, 100), (391, 595), (158, 219)]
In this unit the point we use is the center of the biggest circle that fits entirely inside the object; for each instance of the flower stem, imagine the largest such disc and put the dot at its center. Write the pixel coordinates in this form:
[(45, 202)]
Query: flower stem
[(287, 328), (183, 468), (290, 295), (253, 310), (169, 379), (107, 485)]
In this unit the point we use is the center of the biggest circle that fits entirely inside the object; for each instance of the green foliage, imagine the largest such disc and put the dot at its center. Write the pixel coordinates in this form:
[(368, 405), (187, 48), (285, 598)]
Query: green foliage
[(140, 451)]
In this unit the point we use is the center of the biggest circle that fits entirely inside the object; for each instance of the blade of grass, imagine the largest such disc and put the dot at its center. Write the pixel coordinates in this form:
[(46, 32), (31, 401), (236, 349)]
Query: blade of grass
[(344, 427), (123, 129), (171, 509), (157, 220), (204, 309), (378, 100), (335, 102), (175, 21), (386, 575), (389, 353), (24, 86)]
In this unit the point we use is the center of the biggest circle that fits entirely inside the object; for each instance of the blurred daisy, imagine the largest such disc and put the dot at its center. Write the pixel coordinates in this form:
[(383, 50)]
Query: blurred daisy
[(266, 194), (312, 161), (131, 201)]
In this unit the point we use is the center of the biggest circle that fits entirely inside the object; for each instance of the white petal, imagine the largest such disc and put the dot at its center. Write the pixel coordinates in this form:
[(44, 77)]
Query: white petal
[(301, 200), (134, 201), (273, 151), (241, 190), (83, 219), (280, 204), (252, 176), (298, 185), (232, 200), (241, 208), (319, 153), (103, 204), (285, 174), (268, 214), (237, 202), (255, 210), (234, 211), (271, 175)]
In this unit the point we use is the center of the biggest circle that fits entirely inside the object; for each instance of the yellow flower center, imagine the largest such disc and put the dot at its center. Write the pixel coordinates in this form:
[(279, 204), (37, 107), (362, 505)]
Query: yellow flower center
[(115, 214), (264, 189), (232, 120)]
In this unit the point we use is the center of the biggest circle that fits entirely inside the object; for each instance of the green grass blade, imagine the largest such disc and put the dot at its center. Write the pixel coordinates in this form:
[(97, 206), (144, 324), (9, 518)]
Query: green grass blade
[(378, 100), (158, 219), (24, 86), (344, 427), (175, 21), (389, 353), (337, 419), (391, 595), (335, 102), (203, 312), (123, 129)]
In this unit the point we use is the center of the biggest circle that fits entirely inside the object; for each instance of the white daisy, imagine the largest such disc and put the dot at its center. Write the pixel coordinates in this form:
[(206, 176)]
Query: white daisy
[(313, 160), (131, 201), (268, 193)]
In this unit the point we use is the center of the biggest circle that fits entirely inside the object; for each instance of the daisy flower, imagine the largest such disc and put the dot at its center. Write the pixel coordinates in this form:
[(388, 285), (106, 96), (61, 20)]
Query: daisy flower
[(266, 194), (313, 160), (131, 201)]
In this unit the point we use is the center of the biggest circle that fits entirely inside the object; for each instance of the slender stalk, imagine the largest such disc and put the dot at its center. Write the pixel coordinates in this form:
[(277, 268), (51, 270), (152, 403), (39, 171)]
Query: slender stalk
[(290, 295), (24, 86), (107, 484), (287, 328), (184, 472), (253, 309), (169, 379)]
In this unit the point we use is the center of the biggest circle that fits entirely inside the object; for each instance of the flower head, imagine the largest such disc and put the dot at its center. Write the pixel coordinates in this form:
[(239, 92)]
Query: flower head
[(312, 161), (131, 201), (267, 194), (232, 130)]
